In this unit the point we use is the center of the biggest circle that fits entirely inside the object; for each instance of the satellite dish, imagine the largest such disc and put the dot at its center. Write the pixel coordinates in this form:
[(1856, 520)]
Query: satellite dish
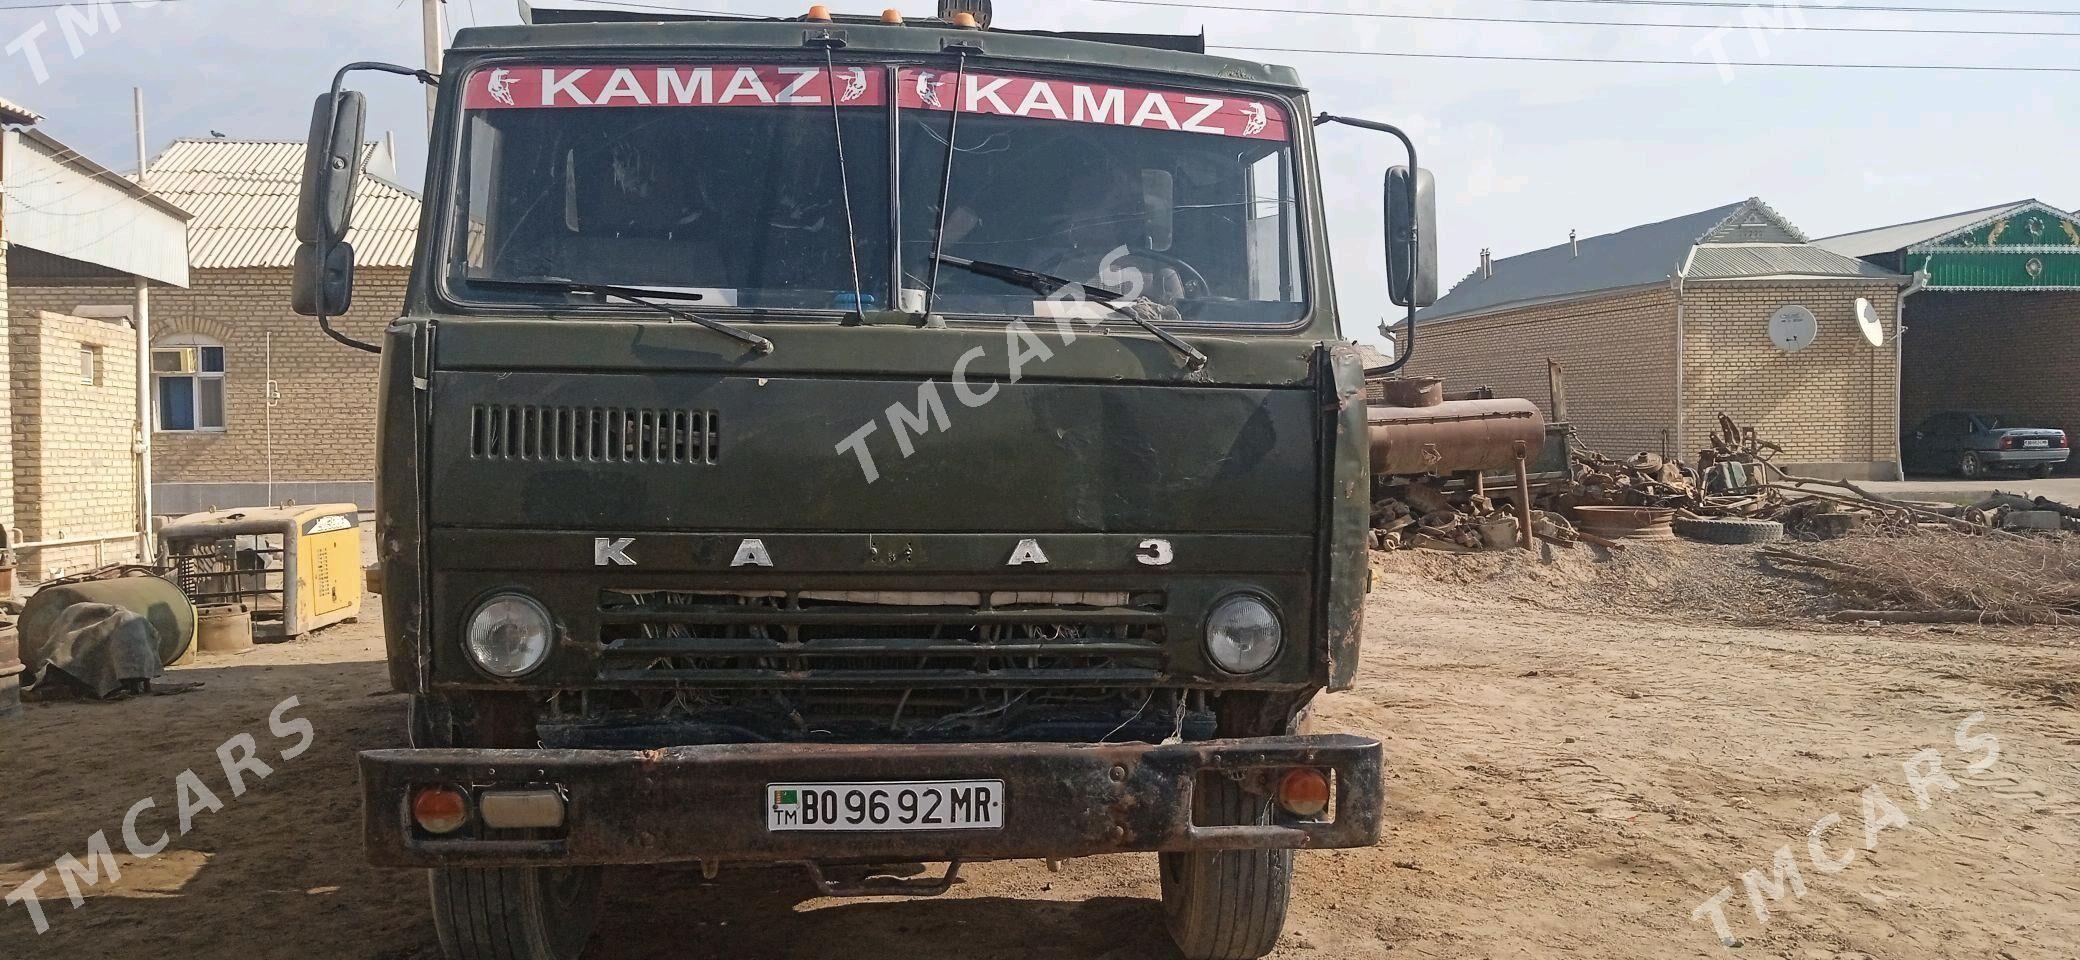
[(1793, 328), (1867, 318)]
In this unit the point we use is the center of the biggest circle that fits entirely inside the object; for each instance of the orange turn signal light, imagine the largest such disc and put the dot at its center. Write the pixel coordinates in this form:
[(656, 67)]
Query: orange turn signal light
[(440, 810), (965, 20), (891, 15), (818, 13), (1304, 792)]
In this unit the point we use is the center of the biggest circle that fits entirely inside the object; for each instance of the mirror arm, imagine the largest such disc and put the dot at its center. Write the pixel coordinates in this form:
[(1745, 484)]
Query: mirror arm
[(1414, 238), (339, 81)]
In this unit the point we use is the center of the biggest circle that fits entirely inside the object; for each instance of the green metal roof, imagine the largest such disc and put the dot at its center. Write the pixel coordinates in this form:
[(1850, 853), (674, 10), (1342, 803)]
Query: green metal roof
[(2026, 245)]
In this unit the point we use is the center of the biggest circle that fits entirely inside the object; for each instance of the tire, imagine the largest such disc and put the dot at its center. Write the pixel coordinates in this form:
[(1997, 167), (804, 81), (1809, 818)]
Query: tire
[(1970, 467), (1732, 530), (515, 913), (2040, 471), (1227, 904)]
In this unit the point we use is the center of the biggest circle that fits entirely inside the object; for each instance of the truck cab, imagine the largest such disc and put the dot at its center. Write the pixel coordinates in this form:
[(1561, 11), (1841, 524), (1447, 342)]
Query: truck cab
[(850, 442)]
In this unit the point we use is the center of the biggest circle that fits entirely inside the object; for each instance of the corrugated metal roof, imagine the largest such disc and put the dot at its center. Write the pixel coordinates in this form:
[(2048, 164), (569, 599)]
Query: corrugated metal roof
[(1628, 258), (65, 205), (1870, 243), (243, 195), (1738, 240), (12, 112), (1749, 260)]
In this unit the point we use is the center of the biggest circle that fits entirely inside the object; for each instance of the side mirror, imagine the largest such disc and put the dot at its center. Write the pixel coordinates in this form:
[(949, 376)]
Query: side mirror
[(1411, 237), (331, 168), (323, 289)]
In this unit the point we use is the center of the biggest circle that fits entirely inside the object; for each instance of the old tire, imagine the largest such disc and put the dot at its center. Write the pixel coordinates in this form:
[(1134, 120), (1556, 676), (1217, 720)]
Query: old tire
[(1970, 467), (1227, 904), (1729, 530), (515, 913)]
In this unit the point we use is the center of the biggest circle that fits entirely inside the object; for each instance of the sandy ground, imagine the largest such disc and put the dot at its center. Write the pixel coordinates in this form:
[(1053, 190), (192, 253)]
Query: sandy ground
[(1572, 770)]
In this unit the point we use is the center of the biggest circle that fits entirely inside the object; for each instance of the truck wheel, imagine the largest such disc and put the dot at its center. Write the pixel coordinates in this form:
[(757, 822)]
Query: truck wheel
[(1227, 904), (515, 913), (1729, 530)]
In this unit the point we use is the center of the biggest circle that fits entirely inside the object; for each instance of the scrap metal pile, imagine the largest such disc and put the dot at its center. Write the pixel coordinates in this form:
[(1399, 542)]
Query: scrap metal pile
[(1733, 494)]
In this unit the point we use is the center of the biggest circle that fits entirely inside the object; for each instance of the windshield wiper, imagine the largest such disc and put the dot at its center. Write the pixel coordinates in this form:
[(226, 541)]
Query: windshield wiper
[(1047, 285), (640, 296)]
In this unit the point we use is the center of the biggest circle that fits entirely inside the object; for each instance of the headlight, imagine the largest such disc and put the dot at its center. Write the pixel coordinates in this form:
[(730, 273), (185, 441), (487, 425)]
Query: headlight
[(509, 635), (1242, 634)]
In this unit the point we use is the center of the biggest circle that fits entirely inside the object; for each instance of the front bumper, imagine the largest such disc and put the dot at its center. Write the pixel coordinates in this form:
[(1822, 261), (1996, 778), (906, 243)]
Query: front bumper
[(706, 802)]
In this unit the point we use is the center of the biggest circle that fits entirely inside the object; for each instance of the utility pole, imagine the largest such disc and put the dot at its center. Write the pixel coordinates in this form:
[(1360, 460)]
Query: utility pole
[(141, 318), (435, 38)]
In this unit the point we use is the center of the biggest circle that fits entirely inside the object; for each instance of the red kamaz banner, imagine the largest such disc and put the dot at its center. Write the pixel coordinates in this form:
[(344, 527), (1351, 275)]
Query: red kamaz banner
[(735, 85), (1074, 100), (706, 85)]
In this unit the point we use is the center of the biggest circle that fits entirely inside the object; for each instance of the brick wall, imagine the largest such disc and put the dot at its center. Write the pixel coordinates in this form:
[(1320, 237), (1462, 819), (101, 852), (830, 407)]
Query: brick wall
[(1616, 352), (324, 420), (6, 405), (1832, 402), (2000, 352), (75, 472)]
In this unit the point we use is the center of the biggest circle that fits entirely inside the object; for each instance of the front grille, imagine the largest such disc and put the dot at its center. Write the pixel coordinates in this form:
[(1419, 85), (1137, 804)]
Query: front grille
[(503, 431), (683, 667), (900, 640)]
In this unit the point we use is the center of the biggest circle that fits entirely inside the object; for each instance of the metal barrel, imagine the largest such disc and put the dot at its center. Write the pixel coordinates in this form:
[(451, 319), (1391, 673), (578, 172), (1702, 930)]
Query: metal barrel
[(153, 598), (1454, 435)]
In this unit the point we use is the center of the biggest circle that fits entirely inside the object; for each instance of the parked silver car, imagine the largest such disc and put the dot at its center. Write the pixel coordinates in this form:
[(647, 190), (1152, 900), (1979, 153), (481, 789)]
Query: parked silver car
[(1973, 444)]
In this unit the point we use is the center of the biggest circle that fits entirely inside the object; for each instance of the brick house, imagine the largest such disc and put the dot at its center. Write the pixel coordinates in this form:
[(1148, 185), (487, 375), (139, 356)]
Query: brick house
[(1995, 323), (69, 464), (252, 404), (1660, 328)]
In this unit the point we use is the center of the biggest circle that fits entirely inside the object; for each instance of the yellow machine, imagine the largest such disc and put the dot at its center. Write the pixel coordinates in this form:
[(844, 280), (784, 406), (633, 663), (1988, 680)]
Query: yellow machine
[(297, 568)]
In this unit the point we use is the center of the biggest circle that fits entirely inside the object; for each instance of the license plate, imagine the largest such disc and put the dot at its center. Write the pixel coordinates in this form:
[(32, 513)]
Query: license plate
[(898, 805), (2036, 443)]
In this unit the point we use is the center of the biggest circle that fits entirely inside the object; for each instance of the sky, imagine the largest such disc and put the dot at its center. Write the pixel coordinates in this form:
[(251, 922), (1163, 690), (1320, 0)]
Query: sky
[(1522, 152)]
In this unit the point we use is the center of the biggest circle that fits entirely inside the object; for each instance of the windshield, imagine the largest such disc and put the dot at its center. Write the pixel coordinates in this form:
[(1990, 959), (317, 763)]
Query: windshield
[(725, 180), (1183, 198), (576, 173)]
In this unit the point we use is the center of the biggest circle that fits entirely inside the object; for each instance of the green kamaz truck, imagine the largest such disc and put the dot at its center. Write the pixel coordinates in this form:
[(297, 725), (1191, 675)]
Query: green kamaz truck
[(862, 444)]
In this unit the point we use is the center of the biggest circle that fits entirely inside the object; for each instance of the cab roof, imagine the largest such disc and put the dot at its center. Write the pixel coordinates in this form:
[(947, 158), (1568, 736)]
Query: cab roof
[(660, 33)]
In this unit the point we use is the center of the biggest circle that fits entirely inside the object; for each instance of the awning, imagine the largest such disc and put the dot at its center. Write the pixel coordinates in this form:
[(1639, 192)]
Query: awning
[(65, 205)]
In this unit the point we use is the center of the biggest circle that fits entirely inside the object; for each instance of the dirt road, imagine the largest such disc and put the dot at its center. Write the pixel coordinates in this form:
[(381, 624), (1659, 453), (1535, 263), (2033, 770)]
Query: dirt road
[(1569, 777)]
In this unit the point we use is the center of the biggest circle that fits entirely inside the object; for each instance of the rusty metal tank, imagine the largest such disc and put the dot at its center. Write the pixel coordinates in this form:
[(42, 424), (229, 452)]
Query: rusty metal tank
[(1449, 436), (10, 672)]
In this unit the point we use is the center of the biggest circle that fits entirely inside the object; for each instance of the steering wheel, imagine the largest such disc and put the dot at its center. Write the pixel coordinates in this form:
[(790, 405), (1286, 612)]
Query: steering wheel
[(1185, 271)]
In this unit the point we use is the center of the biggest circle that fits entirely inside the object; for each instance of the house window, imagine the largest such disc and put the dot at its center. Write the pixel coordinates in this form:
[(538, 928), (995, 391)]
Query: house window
[(89, 365), (188, 375)]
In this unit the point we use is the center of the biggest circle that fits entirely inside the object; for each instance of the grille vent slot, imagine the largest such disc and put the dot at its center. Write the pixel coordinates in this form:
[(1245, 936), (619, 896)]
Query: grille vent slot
[(501, 431)]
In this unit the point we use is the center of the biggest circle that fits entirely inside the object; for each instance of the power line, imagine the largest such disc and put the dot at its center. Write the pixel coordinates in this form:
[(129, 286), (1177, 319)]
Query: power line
[(1644, 62), (77, 3), (1736, 4), (1374, 15)]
